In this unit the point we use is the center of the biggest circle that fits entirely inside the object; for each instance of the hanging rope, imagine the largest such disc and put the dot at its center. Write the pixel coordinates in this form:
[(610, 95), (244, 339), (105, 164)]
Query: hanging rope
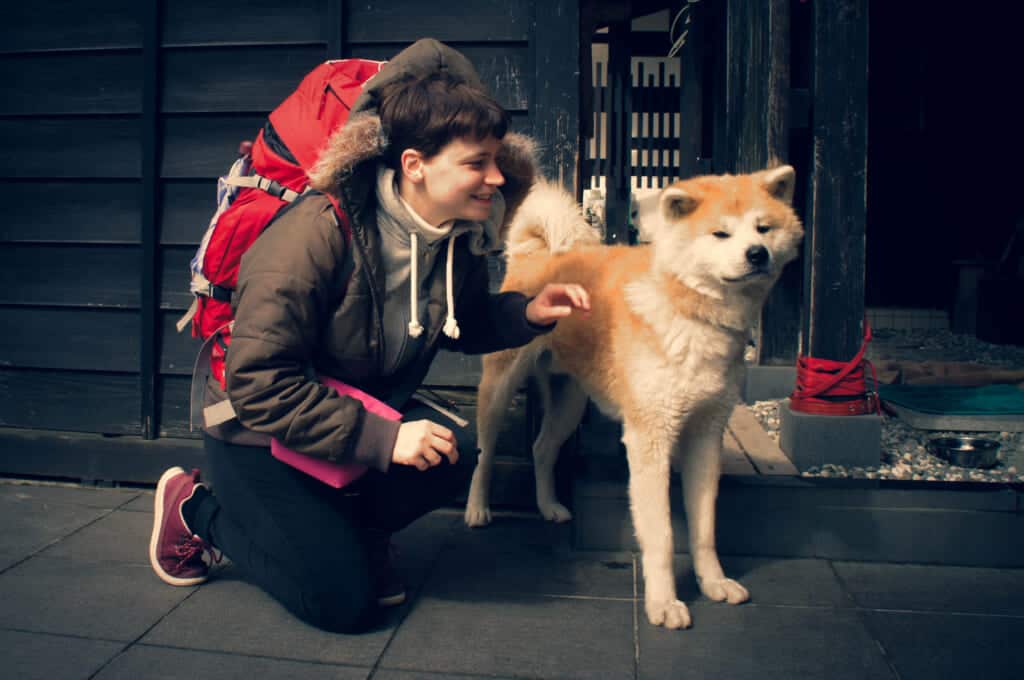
[(834, 388)]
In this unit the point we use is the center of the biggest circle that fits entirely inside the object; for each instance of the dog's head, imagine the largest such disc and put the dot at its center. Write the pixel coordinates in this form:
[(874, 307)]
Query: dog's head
[(727, 233)]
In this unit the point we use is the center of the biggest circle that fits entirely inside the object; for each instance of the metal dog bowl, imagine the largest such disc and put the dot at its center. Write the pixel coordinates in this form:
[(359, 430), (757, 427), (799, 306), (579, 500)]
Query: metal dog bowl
[(976, 452)]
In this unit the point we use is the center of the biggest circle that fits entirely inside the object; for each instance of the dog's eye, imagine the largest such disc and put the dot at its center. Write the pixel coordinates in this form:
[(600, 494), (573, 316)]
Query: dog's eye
[(763, 229), (721, 234)]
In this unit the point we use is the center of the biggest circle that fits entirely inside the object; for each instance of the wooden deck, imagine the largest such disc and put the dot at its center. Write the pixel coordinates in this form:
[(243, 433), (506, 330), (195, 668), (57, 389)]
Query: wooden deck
[(749, 450)]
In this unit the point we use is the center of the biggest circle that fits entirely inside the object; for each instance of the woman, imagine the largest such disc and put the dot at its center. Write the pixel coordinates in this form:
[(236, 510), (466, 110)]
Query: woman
[(425, 176)]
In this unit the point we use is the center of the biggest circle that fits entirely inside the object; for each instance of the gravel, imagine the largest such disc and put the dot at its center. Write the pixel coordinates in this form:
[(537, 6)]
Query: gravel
[(903, 454)]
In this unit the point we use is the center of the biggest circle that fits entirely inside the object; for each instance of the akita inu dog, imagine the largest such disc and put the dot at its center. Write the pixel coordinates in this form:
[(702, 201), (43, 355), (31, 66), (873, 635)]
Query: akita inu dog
[(661, 351)]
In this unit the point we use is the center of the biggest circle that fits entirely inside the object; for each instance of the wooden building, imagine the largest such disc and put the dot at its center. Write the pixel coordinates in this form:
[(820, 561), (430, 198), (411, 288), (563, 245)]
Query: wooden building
[(116, 117)]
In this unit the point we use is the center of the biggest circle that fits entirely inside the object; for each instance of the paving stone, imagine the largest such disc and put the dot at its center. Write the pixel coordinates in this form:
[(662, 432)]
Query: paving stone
[(774, 581), (937, 646), (228, 615), (762, 643), (143, 661), (418, 546), (513, 532), (40, 656), (553, 637), (427, 675), (483, 569), (103, 600), (119, 537), (66, 494), (31, 523), (934, 588), (142, 503)]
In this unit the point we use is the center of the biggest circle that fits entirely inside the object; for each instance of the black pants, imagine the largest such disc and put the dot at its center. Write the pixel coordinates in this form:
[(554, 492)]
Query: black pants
[(305, 543)]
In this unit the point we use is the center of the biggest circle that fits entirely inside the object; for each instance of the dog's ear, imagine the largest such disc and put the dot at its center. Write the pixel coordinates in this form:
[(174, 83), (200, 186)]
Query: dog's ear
[(676, 203), (779, 182)]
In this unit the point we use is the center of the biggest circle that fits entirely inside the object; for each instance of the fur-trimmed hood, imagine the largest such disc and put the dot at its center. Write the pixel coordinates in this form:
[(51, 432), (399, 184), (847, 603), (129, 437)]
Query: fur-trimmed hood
[(347, 166)]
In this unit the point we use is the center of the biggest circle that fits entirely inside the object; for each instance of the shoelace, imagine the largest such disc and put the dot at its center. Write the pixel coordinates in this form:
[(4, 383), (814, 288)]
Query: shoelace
[(193, 549)]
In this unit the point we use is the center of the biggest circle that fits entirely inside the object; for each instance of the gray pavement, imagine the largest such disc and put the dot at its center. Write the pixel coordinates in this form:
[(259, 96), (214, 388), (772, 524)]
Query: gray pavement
[(78, 600)]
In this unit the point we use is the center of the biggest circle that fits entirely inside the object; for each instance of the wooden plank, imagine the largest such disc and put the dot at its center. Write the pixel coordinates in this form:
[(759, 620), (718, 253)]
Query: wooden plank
[(174, 292), (557, 85), (94, 457), (105, 211), (833, 322), (763, 451), (212, 22), (105, 403), (64, 148), (173, 407), (186, 210), (70, 275), (197, 146), (472, 20), (62, 338), (243, 79), (63, 83), (734, 462), (504, 69), (177, 350), (70, 24)]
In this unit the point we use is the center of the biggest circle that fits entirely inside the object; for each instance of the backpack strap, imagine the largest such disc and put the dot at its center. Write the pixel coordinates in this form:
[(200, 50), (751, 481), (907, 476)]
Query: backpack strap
[(270, 186), (215, 414)]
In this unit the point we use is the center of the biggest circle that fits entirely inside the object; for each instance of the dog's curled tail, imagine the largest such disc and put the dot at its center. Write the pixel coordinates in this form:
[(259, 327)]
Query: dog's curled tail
[(549, 221)]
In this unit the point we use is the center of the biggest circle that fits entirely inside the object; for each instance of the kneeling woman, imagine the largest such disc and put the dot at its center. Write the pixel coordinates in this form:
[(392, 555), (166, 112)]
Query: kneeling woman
[(427, 177)]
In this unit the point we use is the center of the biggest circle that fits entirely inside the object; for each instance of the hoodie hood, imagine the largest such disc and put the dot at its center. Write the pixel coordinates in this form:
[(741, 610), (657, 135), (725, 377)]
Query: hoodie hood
[(356, 148)]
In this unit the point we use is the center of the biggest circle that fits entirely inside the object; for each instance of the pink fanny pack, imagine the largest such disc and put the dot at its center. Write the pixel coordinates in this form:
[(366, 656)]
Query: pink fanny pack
[(334, 474)]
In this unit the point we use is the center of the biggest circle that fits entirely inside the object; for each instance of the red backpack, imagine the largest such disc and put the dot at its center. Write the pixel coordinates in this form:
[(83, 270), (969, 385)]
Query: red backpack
[(269, 174)]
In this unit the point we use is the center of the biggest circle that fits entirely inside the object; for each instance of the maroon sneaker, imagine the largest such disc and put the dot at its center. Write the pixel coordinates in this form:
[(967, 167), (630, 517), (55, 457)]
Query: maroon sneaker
[(174, 551)]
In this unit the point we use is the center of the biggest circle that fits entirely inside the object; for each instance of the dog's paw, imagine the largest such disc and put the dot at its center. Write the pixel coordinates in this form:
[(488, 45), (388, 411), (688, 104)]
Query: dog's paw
[(671, 614), (555, 512), (724, 590), (477, 516)]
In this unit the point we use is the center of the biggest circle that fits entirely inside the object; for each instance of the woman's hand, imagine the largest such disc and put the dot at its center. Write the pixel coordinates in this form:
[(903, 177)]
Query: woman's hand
[(422, 443), (556, 301)]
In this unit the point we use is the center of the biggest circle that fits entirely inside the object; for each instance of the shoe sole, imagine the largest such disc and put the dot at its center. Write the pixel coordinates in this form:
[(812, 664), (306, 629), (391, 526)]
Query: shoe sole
[(391, 600), (154, 539)]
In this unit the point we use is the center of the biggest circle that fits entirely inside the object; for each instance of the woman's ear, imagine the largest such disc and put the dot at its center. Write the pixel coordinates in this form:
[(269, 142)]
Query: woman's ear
[(412, 165)]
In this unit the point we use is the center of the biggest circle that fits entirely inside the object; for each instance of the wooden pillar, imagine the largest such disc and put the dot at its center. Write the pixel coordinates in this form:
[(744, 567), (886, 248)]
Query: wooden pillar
[(834, 247), (619, 133), (556, 102), (692, 85), (757, 136), (150, 203)]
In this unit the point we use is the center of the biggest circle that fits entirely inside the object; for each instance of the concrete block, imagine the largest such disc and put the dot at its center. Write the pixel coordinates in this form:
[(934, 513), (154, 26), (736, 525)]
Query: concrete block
[(814, 440), (768, 382)]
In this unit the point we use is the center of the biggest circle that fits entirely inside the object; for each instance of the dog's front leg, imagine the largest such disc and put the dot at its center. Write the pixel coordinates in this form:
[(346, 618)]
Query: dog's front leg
[(649, 477), (700, 467)]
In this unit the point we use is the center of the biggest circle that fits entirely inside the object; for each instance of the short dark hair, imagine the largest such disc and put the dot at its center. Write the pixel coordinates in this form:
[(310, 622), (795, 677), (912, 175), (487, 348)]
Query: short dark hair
[(426, 113)]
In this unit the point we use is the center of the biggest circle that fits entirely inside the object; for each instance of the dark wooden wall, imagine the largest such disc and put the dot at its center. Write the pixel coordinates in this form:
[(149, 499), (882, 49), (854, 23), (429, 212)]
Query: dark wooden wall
[(116, 117)]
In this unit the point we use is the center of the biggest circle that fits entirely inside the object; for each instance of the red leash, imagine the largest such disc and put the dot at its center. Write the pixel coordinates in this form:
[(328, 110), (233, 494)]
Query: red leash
[(834, 388)]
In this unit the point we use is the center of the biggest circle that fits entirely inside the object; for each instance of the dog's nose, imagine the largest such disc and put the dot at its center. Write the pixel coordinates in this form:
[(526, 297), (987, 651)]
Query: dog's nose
[(757, 255)]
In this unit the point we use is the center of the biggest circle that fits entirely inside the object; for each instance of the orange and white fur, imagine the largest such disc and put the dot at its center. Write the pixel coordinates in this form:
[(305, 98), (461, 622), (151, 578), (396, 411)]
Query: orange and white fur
[(661, 351)]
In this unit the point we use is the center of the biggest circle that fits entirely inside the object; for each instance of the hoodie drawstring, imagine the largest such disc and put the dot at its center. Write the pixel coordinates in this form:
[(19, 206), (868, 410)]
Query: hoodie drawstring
[(415, 329), (451, 326)]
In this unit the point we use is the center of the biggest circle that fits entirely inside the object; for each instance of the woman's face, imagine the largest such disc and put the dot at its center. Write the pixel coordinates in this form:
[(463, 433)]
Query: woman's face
[(459, 182)]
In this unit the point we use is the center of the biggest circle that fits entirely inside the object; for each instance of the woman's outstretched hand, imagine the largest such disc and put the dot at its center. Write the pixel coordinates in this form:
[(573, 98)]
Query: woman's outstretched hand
[(556, 301), (422, 443)]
